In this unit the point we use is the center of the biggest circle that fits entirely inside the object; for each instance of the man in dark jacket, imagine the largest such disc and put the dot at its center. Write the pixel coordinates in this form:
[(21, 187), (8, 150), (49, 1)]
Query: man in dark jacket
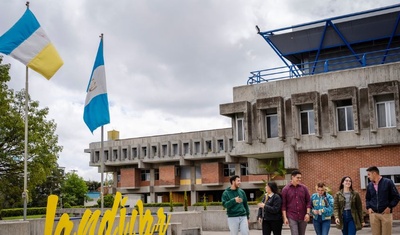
[(235, 201), (382, 196)]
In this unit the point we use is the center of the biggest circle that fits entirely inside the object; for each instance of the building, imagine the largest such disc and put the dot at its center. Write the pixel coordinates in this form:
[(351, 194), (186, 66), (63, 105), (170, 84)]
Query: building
[(332, 110)]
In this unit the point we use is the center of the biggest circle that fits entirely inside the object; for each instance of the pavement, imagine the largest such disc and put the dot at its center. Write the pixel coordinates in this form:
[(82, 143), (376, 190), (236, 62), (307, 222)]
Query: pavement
[(310, 230)]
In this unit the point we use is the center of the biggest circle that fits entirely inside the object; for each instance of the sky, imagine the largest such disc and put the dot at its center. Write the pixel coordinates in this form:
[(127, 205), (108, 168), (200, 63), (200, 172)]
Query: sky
[(169, 64)]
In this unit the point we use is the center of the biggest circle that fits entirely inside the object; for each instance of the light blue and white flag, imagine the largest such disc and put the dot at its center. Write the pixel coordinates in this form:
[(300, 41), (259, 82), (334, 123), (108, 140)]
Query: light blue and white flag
[(96, 111)]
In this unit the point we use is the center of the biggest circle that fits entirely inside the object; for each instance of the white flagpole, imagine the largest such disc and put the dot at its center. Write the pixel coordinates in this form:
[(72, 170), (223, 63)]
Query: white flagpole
[(102, 169), (25, 192), (102, 157)]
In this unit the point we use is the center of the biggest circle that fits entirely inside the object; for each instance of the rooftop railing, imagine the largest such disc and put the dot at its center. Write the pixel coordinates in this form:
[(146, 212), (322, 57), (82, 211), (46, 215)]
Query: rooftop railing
[(324, 66)]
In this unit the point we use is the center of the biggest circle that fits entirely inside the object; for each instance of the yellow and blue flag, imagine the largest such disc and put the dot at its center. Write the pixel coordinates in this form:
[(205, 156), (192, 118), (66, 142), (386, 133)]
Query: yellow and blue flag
[(27, 42), (96, 111)]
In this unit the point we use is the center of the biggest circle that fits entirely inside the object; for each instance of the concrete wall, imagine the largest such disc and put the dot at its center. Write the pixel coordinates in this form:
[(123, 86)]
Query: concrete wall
[(209, 220)]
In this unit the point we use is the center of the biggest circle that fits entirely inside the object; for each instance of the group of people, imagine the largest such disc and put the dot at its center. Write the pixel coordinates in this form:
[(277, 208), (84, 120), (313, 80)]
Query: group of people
[(295, 207)]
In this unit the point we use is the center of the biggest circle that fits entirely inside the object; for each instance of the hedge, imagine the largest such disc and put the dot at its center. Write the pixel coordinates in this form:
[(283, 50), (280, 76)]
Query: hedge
[(20, 211)]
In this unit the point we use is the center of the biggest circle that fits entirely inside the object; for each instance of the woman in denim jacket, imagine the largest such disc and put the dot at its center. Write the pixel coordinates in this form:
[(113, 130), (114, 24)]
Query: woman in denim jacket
[(321, 210)]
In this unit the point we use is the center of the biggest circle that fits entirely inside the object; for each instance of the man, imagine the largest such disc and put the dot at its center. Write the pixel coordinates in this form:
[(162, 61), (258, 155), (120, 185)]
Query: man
[(235, 201), (382, 196), (296, 205)]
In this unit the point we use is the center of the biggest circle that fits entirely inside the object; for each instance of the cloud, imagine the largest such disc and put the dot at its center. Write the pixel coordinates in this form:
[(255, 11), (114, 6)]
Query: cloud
[(169, 64)]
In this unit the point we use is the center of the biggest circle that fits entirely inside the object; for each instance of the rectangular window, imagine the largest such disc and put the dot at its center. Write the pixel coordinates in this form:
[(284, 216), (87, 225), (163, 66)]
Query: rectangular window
[(185, 148), (240, 127), (344, 112), (144, 151), (145, 175), (271, 123), (244, 169), (208, 146), (220, 145), (156, 174), (124, 153), (229, 170), (134, 153), (174, 149), (164, 150), (307, 119), (385, 111), (115, 154), (106, 155), (196, 147)]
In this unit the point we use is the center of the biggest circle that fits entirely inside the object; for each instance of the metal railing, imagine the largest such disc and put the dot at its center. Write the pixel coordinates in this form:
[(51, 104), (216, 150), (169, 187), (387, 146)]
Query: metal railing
[(324, 66)]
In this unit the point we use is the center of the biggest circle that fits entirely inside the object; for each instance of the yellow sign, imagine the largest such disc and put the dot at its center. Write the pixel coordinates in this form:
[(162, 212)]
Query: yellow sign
[(90, 219)]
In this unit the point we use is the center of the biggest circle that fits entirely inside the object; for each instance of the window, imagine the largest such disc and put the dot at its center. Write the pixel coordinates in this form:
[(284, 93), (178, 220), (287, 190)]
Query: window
[(271, 123), (344, 111), (164, 150), (244, 169), (385, 111), (134, 153), (174, 149), (390, 172), (307, 119), (106, 155), (208, 146), (124, 153), (115, 155), (144, 151), (156, 174), (229, 170), (220, 145), (145, 175), (185, 148), (240, 127), (118, 177), (154, 151), (196, 147)]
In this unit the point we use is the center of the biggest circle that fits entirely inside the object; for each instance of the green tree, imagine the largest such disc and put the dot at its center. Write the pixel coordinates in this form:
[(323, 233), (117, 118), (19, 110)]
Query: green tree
[(74, 189), (43, 148), (52, 185), (108, 201)]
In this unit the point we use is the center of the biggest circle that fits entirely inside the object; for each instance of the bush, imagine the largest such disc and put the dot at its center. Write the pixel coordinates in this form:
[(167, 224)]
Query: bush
[(20, 211)]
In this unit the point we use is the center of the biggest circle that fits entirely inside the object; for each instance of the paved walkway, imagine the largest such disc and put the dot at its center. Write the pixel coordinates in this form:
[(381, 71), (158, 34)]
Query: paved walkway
[(310, 230)]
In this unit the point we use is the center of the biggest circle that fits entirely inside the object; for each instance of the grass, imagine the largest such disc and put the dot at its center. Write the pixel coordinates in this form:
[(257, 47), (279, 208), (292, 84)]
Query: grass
[(22, 217)]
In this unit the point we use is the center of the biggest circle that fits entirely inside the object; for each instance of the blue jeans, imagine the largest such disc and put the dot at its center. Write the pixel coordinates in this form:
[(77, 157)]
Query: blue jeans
[(321, 227), (349, 228), (237, 224)]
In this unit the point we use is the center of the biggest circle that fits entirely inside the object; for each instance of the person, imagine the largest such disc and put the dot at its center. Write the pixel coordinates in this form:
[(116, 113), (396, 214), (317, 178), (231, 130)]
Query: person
[(296, 204), (347, 208), (270, 210), (235, 201), (321, 209), (380, 207)]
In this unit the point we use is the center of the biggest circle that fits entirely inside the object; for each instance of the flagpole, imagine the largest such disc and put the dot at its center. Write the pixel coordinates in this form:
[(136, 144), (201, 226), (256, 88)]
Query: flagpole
[(102, 169), (102, 159), (25, 192)]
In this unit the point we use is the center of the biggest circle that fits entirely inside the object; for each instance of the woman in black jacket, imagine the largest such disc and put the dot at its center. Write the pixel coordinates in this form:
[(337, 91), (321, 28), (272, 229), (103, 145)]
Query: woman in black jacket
[(270, 210)]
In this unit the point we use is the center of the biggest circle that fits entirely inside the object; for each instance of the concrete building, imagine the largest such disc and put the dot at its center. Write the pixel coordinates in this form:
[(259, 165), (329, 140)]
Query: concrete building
[(332, 110)]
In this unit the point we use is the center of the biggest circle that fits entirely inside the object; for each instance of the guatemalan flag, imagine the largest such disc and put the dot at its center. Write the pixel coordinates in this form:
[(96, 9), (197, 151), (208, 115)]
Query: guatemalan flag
[(27, 42), (96, 111)]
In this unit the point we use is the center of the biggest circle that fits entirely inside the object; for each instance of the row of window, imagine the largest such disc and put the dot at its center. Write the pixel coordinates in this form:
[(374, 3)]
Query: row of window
[(384, 110), (229, 170)]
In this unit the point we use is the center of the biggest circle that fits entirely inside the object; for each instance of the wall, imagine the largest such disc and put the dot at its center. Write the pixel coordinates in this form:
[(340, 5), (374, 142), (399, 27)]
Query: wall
[(331, 166)]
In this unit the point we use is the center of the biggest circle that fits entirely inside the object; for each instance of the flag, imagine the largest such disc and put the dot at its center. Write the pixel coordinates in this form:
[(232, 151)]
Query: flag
[(96, 111), (27, 42)]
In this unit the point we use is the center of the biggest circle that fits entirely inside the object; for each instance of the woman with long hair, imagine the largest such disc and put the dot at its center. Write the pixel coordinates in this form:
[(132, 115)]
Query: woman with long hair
[(321, 209), (348, 208), (270, 210)]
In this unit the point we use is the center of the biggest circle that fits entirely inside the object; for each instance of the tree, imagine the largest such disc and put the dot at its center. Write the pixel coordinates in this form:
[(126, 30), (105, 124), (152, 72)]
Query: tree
[(52, 185), (74, 189), (43, 148)]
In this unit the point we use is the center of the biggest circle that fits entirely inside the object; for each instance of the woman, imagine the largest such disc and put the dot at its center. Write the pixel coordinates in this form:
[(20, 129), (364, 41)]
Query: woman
[(269, 211), (347, 208), (321, 210)]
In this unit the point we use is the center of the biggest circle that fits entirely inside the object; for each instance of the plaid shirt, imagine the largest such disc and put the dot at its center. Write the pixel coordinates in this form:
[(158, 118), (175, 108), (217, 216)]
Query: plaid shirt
[(295, 201)]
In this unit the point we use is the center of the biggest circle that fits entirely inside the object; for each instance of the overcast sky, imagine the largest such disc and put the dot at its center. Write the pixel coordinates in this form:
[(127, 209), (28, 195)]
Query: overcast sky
[(169, 64)]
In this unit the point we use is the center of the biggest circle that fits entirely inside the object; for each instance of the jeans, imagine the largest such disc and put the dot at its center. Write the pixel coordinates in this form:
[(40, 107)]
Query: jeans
[(349, 228), (321, 227), (297, 227), (237, 224), (274, 226)]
